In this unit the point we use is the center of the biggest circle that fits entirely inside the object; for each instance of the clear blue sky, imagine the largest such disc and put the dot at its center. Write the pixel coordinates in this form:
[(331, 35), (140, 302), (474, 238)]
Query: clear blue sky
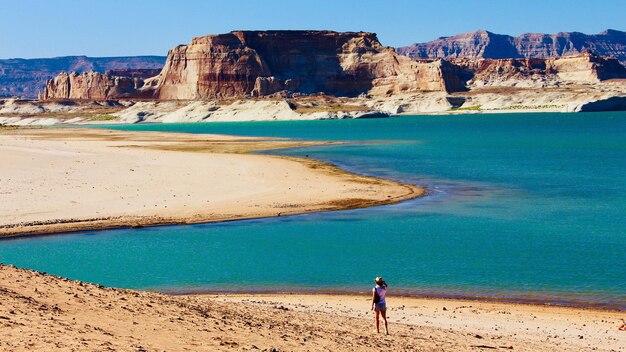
[(46, 28)]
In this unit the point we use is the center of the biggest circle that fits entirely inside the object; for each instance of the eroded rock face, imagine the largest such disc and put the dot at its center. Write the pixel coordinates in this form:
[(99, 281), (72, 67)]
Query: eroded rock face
[(27, 77), (349, 64), (538, 73), (479, 44), (94, 86), (133, 73), (259, 63), (484, 44), (262, 63)]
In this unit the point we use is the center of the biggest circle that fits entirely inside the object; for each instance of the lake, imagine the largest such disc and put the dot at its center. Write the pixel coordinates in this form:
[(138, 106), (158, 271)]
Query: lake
[(524, 207)]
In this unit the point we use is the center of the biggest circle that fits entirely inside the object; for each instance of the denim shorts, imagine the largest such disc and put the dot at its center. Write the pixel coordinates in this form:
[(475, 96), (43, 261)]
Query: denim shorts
[(381, 307)]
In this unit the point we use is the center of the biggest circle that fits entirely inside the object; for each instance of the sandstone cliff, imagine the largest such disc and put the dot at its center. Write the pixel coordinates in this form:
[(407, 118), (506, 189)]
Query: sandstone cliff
[(92, 85), (26, 77), (133, 72), (484, 44), (260, 63), (538, 73), (245, 64)]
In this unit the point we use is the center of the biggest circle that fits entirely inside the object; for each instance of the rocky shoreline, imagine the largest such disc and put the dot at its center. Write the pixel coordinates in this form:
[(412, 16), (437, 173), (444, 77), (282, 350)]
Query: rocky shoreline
[(583, 98)]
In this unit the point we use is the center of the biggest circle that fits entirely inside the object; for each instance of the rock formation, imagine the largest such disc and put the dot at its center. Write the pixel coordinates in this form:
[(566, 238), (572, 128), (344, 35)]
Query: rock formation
[(538, 73), (484, 44), (244, 64), (92, 85), (134, 72), (262, 63), (26, 77)]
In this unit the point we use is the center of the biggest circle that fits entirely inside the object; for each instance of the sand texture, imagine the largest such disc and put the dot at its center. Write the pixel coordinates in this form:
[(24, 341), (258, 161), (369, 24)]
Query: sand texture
[(40, 312), (57, 180)]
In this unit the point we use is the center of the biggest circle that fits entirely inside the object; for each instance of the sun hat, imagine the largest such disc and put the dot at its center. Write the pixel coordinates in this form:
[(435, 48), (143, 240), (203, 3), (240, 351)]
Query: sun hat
[(378, 280)]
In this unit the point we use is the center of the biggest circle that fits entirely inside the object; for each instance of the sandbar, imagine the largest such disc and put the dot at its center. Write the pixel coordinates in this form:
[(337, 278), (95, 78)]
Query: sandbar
[(74, 179)]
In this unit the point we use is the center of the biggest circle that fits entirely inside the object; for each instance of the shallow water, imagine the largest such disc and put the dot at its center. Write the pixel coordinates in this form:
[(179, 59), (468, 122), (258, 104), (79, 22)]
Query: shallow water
[(521, 206)]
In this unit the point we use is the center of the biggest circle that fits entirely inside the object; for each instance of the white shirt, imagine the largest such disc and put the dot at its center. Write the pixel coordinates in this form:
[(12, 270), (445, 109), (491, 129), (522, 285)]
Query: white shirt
[(382, 291)]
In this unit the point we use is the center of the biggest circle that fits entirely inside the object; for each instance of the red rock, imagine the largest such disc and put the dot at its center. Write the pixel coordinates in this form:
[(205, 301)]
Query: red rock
[(92, 86), (264, 63), (261, 63), (484, 44)]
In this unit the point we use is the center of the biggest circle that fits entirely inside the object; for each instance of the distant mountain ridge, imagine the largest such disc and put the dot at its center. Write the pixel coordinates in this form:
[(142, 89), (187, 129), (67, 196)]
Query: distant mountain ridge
[(485, 44), (26, 77)]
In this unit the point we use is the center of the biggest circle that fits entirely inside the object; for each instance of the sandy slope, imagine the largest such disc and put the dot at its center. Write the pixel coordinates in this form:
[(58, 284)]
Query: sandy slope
[(43, 313), (56, 180)]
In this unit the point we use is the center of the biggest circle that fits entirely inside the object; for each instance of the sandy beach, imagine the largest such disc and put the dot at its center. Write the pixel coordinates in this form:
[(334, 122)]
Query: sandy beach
[(42, 312), (58, 180), (499, 325)]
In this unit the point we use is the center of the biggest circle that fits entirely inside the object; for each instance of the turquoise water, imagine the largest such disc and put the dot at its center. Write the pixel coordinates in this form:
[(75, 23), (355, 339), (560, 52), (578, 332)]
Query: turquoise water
[(521, 206)]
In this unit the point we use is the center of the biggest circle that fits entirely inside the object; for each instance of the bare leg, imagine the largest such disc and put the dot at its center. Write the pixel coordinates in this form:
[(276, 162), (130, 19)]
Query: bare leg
[(384, 314), (377, 321)]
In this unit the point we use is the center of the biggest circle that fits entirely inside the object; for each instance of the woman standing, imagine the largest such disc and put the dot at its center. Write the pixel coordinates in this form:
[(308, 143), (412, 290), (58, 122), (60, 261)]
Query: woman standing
[(379, 305)]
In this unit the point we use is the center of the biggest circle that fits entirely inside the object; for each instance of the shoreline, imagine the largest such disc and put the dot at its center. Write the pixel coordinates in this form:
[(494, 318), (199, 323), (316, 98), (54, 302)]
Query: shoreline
[(504, 318), (434, 295), (579, 97), (69, 226), (45, 312), (397, 297), (278, 186), (43, 121), (72, 226)]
